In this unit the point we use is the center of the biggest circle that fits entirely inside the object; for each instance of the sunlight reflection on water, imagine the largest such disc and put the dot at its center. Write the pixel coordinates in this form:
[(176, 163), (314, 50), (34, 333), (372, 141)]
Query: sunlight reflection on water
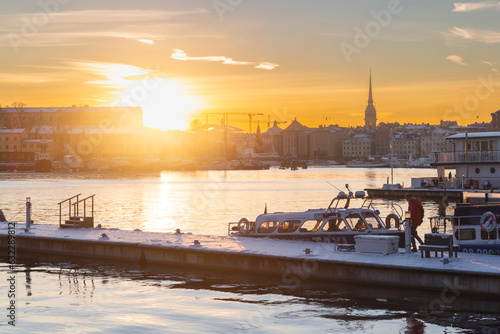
[(198, 202)]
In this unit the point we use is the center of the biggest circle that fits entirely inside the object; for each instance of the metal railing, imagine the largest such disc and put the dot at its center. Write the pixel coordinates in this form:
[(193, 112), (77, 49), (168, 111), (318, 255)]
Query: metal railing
[(465, 157), (69, 207)]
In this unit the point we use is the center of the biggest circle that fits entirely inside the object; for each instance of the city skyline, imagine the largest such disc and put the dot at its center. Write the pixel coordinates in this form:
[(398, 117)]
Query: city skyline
[(310, 61)]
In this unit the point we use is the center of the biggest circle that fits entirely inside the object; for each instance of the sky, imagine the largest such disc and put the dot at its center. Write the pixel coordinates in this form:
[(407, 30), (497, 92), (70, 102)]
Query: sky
[(284, 59)]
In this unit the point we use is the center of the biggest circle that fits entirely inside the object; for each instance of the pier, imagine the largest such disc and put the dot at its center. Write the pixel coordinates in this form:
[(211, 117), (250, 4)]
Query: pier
[(290, 261)]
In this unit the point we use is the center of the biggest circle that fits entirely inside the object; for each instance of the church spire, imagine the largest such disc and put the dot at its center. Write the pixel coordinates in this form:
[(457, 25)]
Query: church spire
[(370, 99)]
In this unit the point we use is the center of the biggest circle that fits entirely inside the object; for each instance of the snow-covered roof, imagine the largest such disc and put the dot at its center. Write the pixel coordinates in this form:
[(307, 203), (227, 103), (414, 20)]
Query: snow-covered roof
[(69, 109), (12, 131)]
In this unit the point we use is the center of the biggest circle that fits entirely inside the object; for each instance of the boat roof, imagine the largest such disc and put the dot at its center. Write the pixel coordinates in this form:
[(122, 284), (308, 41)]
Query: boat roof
[(494, 134)]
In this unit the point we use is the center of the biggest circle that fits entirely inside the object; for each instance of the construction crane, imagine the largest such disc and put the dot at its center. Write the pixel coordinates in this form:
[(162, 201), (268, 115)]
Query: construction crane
[(277, 122), (225, 114)]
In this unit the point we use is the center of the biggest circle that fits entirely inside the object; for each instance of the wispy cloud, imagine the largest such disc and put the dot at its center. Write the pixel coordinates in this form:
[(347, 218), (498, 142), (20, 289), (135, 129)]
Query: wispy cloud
[(267, 66), (115, 75), (472, 6), (181, 55), (484, 36), (456, 59)]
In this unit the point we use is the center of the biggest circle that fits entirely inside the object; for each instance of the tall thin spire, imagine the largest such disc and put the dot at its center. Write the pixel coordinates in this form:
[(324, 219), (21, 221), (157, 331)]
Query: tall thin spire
[(370, 99)]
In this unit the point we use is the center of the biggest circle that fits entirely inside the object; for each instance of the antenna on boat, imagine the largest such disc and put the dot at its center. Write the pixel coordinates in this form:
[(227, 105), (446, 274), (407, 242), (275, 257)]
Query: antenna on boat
[(333, 186)]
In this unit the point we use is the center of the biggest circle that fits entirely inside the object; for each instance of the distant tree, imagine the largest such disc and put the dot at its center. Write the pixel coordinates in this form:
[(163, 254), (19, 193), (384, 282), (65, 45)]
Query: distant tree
[(194, 124), (18, 104)]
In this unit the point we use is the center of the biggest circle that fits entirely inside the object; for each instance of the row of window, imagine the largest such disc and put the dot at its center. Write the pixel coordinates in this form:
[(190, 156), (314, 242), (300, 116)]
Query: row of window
[(470, 234), (353, 222), (14, 138), (7, 147)]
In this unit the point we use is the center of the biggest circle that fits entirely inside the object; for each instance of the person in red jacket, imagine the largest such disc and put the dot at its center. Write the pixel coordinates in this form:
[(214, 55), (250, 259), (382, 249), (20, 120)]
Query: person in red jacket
[(417, 214)]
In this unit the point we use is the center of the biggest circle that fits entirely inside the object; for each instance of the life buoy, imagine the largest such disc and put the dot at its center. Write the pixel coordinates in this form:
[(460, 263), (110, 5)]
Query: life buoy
[(389, 219), (488, 221), (244, 226)]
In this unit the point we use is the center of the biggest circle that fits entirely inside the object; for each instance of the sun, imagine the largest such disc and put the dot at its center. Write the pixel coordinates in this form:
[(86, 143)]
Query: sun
[(168, 104)]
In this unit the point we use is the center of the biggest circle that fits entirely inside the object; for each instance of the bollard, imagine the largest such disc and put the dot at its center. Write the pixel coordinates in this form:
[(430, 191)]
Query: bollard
[(28, 213)]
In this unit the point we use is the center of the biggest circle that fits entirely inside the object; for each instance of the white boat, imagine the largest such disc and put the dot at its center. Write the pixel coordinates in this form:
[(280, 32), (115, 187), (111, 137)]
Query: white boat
[(475, 228), (337, 224)]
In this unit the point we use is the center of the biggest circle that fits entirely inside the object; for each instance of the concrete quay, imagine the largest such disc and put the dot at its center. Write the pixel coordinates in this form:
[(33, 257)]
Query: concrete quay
[(469, 274)]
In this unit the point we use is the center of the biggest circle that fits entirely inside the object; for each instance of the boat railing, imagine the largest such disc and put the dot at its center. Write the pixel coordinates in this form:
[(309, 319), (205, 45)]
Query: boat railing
[(439, 224), (465, 157)]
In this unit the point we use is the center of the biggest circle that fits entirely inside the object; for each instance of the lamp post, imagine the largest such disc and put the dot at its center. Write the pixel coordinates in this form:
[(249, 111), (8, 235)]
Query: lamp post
[(407, 232)]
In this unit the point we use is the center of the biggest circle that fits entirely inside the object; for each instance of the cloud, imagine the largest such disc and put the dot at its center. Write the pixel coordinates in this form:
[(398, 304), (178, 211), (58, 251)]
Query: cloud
[(484, 36), (456, 59), (267, 66), (472, 6), (116, 75), (181, 55)]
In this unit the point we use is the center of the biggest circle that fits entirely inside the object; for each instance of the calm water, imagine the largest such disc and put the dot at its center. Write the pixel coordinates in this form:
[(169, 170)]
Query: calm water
[(74, 295)]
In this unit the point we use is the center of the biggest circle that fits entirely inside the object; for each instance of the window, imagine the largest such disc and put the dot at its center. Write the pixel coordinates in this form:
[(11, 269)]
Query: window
[(268, 227), (372, 220), (355, 222), (6, 147), (311, 225), (334, 225), (477, 170), (492, 170), (289, 226), (489, 236), (465, 234)]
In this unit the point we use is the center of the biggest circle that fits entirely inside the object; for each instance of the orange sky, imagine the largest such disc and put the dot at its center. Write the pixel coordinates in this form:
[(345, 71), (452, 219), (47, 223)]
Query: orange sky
[(284, 59)]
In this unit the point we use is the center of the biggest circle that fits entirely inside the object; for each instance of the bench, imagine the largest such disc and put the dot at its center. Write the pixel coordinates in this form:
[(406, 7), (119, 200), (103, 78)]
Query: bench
[(438, 242)]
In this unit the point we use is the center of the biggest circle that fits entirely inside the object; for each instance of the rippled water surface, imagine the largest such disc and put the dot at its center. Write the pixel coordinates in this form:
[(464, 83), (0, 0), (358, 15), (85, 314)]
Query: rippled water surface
[(55, 295)]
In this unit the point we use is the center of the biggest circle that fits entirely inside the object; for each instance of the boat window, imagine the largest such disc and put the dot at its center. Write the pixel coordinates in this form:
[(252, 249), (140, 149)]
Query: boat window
[(289, 226), (311, 225), (268, 227), (334, 225), (489, 236), (372, 220), (465, 234), (355, 222)]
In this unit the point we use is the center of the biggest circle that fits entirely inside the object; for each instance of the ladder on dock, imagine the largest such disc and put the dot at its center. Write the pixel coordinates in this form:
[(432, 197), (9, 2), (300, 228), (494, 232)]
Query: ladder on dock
[(75, 220)]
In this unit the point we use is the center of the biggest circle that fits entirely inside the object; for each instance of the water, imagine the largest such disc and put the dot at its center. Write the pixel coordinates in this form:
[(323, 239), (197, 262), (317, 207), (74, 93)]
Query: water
[(78, 295)]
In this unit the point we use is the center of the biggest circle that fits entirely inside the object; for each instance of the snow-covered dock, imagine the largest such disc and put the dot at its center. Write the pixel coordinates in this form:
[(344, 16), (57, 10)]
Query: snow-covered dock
[(288, 260)]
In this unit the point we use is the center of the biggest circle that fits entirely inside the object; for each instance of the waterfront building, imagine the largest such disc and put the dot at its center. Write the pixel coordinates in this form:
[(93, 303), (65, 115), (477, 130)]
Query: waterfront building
[(72, 116), (404, 145), (358, 146), (273, 139), (296, 141)]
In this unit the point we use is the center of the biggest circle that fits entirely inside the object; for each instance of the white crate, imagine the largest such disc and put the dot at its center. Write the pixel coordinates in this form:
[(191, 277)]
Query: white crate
[(381, 244)]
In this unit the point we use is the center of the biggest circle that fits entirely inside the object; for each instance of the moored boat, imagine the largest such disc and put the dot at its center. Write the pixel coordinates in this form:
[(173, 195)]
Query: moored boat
[(339, 223), (475, 228)]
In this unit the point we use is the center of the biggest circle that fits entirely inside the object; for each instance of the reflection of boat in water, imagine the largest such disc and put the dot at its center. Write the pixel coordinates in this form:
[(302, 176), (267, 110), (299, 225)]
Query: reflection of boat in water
[(366, 164), (338, 223), (475, 228), (250, 165)]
